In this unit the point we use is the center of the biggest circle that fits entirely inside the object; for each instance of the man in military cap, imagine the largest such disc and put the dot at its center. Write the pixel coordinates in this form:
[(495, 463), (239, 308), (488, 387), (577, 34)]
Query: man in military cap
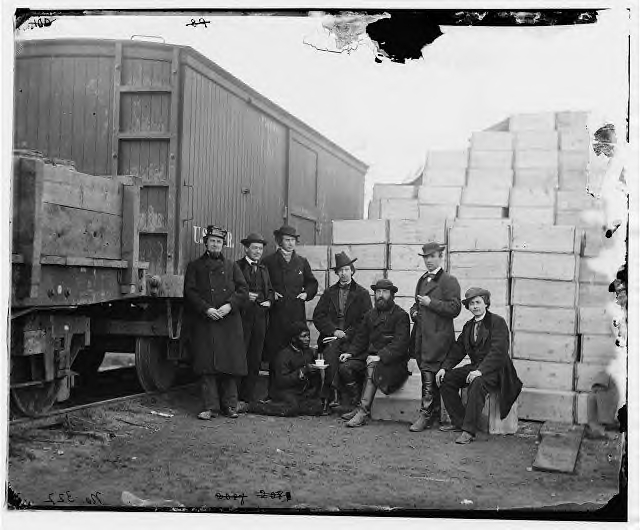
[(255, 312), (485, 339), (293, 284), (379, 349), (437, 303), (214, 291), (337, 316)]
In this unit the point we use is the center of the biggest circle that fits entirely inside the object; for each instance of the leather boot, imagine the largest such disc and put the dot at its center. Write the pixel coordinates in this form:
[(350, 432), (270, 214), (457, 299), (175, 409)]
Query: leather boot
[(349, 415), (430, 407), (359, 419), (423, 422)]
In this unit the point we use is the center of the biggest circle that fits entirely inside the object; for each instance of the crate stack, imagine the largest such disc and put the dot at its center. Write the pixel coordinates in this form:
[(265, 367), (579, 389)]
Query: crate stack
[(394, 201), (443, 179)]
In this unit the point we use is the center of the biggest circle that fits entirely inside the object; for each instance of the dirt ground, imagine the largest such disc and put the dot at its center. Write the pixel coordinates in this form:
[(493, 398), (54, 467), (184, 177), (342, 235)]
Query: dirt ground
[(318, 461)]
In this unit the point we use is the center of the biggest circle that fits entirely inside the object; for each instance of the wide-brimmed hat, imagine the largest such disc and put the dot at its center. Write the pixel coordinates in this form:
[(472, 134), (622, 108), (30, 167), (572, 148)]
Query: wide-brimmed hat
[(286, 230), (430, 248), (383, 283), (342, 260), (253, 237), (472, 292), (214, 231)]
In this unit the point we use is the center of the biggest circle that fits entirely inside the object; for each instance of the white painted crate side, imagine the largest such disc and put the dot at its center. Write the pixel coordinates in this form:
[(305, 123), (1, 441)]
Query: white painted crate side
[(544, 347), (533, 158), (589, 374), (594, 241), (572, 179), (479, 265), (482, 239), (447, 159), (492, 177), (309, 307), (393, 191), (597, 349), (536, 178), (556, 239), (595, 321), (456, 176), (482, 212), (545, 293), (580, 218), (359, 231), (571, 119), (369, 256), (490, 159), (405, 281), (407, 257), (439, 195), (556, 320), (499, 289), (479, 195), (373, 211), (321, 276), (573, 161), (364, 277), (545, 375), (546, 405), (419, 231), (405, 302), (535, 140), (531, 215), (544, 266), (589, 274), (577, 200), (435, 213), (487, 223), (542, 121), (531, 197), (594, 295), (574, 139), (491, 141), (316, 255), (399, 209)]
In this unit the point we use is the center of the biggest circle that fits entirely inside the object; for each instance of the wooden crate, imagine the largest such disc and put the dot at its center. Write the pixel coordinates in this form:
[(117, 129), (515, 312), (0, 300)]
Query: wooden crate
[(542, 121), (490, 177), (595, 321), (405, 302), (369, 256), (479, 223), (572, 119), (482, 212), (499, 288), (477, 195), (534, 158), (405, 281), (531, 216), (399, 209), (416, 232), (607, 407), (536, 177), (491, 141), (483, 238), (558, 320), (543, 293), (373, 211), (315, 334), (310, 306), (577, 218), (466, 315), (535, 140), (545, 375), (364, 277), (588, 375), (532, 197), (434, 213), (572, 179), (597, 349), (316, 255), (594, 294), (588, 274), (456, 176), (574, 139), (406, 257), (543, 266), (573, 160), (447, 159), (544, 347), (594, 241), (490, 159), (359, 232), (576, 200), (555, 239), (546, 405), (393, 191), (493, 265), (321, 276), (439, 195)]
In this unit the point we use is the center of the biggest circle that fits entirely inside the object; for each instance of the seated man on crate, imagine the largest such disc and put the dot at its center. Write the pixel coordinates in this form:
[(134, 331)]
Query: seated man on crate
[(337, 316), (379, 350), (485, 339), (296, 380)]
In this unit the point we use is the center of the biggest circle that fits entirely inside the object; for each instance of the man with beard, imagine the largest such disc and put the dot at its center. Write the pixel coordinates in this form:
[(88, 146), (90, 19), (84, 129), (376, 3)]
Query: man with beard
[(255, 313), (296, 381), (214, 291), (437, 304), (293, 284), (379, 349), (485, 339), (337, 316)]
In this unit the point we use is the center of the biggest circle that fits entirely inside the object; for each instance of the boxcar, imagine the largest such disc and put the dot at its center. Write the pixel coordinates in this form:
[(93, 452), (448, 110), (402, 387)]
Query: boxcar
[(179, 143)]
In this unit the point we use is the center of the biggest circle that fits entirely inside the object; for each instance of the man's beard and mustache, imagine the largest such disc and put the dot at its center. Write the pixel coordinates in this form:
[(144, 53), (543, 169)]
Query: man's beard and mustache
[(384, 305)]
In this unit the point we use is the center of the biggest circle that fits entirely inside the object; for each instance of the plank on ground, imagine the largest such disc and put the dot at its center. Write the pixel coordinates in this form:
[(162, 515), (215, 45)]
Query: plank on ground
[(559, 448)]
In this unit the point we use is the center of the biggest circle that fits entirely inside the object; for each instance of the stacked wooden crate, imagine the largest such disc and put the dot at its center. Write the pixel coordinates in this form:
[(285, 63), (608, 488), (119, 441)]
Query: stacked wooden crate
[(544, 291), (394, 201), (442, 182)]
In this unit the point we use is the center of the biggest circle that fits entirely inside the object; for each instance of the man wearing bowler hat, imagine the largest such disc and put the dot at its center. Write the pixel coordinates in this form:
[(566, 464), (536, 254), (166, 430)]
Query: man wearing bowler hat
[(437, 303), (293, 284), (214, 291), (485, 339), (255, 313), (337, 316), (380, 349)]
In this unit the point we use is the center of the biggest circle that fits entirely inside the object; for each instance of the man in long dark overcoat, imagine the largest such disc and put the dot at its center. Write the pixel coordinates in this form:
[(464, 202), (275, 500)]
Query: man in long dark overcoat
[(437, 304), (255, 312), (337, 316), (214, 290), (485, 339), (293, 284), (380, 349)]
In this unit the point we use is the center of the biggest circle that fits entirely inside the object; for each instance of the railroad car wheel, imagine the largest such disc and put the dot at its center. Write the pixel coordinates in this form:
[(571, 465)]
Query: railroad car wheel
[(87, 362), (155, 371), (35, 400)]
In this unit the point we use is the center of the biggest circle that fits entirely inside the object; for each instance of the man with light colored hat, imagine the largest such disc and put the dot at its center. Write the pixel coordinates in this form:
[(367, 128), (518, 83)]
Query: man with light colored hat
[(294, 285), (337, 316), (255, 313), (379, 349), (214, 292), (485, 339), (437, 303)]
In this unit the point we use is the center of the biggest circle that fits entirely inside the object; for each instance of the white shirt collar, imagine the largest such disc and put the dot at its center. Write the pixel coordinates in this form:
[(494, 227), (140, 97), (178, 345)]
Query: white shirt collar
[(476, 319), (435, 271), (250, 261)]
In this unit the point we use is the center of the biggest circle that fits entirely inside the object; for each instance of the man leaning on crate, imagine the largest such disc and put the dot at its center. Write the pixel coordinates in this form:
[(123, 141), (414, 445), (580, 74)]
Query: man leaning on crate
[(214, 290)]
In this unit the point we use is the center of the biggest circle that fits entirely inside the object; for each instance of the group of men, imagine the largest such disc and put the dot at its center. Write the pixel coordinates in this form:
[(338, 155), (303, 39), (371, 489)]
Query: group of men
[(242, 312)]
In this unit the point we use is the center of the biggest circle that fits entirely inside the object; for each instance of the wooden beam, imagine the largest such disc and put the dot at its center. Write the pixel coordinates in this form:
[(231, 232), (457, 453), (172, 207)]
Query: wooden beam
[(559, 448)]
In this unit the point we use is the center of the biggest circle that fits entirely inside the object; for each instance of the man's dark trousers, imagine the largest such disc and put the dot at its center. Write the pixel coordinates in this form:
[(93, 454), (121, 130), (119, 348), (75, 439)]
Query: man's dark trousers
[(254, 326), (456, 379)]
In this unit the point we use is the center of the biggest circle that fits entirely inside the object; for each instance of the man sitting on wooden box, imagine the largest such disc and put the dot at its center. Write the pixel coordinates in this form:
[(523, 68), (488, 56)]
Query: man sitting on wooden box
[(337, 316), (485, 339)]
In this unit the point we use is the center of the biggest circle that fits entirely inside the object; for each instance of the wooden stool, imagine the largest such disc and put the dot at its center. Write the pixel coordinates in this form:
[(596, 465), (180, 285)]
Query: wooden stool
[(490, 420)]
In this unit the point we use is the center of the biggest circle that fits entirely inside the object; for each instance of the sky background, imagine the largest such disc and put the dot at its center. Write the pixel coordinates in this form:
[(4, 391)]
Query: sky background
[(390, 114)]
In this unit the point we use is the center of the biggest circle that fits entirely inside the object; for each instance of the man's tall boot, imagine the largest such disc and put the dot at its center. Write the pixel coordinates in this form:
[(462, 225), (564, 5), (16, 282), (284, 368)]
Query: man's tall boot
[(430, 406)]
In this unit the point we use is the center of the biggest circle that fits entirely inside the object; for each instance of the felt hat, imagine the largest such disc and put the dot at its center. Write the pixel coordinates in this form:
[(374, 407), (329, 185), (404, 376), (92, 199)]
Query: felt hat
[(430, 248), (383, 283), (342, 260), (253, 237), (286, 230), (214, 231), (472, 292)]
